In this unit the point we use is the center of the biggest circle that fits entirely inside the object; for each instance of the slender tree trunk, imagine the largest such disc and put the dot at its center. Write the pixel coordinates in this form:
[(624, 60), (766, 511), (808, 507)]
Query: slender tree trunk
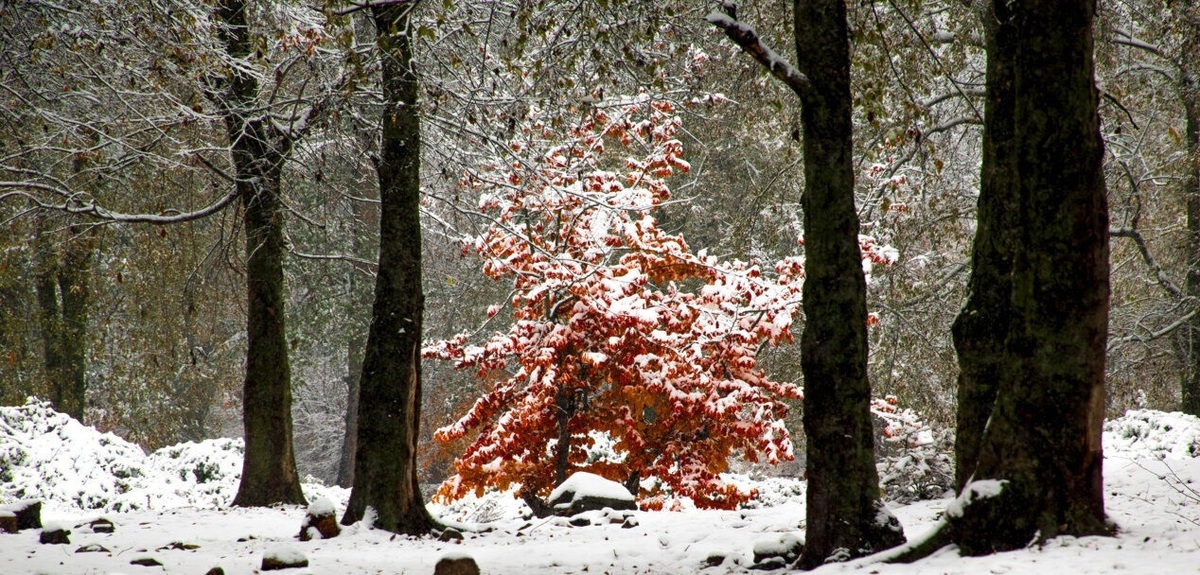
[(269, 465), (385, 474), (360, 298), (564, 411), (844, 507), (1042, 444), (982, 326)]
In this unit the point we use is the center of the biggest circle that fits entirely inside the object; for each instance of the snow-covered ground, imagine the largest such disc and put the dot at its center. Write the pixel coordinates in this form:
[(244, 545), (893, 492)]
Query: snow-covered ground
[(171, 506)]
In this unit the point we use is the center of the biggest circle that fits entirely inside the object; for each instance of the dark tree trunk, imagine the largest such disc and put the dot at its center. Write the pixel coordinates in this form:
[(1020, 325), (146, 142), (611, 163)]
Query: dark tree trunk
[(844, 506), (982, 326), (1043, 439), (1190, 89), (258, 150), (385, 474), (565, 410), (62, 268)]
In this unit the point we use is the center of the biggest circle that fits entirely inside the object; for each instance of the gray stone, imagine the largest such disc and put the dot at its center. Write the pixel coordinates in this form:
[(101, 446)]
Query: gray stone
[(450, 534), (568, 504)]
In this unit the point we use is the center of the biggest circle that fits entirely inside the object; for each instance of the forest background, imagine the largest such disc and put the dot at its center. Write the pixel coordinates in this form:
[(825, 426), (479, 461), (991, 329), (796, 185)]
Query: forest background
[(110, 128)]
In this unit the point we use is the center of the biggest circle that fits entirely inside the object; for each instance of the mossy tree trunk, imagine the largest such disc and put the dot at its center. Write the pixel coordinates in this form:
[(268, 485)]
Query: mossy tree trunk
[(982, 326), (1189, 90), (385, 470), (844, 507), (1042, 443), (259, 150)]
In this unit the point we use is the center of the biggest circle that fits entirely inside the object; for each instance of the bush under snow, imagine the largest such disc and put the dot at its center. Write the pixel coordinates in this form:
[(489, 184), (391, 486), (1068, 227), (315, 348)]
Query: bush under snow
[(48, 455)]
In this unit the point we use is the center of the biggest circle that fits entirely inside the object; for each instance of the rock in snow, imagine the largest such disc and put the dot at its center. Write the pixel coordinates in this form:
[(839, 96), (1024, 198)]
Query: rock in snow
[(283, 557), (585, 491)]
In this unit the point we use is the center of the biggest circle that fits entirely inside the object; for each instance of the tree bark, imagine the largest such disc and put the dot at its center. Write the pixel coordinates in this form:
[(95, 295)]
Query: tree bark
[(357, 342), (844, 507), (385, 477), (258, 150), (1042, 443), (1190, 91), (982, 326)]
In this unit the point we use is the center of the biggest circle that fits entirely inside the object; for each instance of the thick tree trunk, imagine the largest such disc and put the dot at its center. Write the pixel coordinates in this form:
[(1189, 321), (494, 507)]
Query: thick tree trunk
[(1042, 444), (844, 508), (269, 465), (1190, 89), (982, 326), (385, 474)]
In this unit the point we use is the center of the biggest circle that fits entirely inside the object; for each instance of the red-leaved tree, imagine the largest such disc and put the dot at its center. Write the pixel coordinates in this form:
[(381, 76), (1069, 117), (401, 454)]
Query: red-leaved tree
[(628, 356)]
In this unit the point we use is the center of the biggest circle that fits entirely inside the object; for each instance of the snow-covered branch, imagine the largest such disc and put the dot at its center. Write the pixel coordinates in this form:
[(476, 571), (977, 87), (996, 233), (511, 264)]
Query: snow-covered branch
[(89, 208), (745, 37)]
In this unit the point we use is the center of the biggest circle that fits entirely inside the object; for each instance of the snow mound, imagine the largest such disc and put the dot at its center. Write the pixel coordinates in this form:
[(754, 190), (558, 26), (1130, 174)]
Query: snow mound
[(49, 456), (1145, 433)]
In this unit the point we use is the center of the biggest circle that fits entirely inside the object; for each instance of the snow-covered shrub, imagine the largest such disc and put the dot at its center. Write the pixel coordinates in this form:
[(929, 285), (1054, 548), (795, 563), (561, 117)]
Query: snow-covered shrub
[(1154, 433), (47, 455), (914, 459)]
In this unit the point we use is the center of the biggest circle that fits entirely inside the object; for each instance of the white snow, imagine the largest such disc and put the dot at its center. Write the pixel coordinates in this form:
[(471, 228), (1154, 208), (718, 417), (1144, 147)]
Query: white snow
[(584, 484), (1151, 473), (321, 507), (975, 490), (778, 545), (285, 554)]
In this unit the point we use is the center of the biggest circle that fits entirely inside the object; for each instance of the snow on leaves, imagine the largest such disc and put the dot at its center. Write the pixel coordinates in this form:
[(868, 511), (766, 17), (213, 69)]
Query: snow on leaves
[(619, 330)]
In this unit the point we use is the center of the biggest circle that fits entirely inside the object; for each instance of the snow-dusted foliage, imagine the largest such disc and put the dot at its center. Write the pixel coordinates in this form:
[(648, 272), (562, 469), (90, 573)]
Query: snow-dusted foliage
[(49, 456), (915, 459), (618, 328)]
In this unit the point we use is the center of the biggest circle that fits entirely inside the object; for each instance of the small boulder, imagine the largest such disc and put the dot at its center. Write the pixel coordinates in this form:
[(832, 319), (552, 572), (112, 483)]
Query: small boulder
[(777, 552), (215, 571), (8, 522), (584, 491), (101, 525), (321, 521), (450, 534), (28, 514), (580, 522), (283, 558), (629, 523), (93, 548), (53, 534), (714, 560), (456, 565), (146, 562)]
